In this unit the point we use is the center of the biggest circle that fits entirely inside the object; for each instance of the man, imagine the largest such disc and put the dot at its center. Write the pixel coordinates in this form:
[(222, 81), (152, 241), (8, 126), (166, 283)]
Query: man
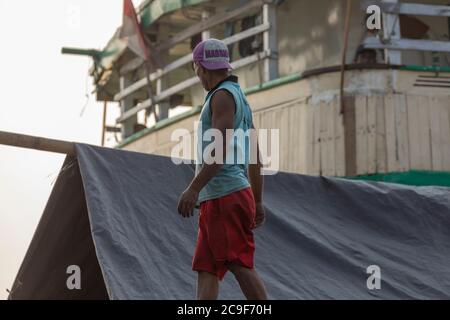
[(230, 194)]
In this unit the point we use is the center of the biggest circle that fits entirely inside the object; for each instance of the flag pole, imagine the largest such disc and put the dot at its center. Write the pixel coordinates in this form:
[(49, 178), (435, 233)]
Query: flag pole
[(104, 122)]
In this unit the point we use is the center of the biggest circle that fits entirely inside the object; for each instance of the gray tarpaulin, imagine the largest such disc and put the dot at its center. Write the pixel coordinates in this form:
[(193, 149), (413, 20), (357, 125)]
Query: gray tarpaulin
[(320, 236)]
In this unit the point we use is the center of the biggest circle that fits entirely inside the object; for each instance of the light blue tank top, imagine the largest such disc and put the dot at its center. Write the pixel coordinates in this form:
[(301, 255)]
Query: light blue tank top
[(233, 174)]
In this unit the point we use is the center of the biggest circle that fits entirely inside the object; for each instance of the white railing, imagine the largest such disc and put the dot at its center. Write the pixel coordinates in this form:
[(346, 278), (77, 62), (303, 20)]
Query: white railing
[(268, 55), (187, 84), (185, 60), (392, 41)]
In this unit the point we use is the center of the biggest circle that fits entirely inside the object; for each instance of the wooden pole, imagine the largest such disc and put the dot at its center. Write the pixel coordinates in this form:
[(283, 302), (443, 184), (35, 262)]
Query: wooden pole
[(37, 143), (348, 109), (104, 122), (344, 52)]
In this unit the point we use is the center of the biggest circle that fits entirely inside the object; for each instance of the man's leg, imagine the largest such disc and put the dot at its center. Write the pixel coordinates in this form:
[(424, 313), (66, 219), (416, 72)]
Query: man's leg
[(249, 281), (207, 286)]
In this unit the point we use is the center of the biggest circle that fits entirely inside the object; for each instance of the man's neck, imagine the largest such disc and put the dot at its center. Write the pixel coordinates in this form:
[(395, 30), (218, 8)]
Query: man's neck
[(216, 79)]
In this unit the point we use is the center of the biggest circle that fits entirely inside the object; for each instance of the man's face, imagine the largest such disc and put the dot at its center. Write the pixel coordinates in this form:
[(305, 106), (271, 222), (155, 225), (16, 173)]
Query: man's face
[(201, 74)]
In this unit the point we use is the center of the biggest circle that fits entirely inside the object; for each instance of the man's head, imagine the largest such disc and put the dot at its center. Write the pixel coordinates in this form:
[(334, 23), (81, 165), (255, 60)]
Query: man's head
[(211, 62)]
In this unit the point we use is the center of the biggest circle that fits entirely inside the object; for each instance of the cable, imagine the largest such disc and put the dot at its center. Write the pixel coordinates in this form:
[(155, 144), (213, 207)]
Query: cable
[(86, 93)]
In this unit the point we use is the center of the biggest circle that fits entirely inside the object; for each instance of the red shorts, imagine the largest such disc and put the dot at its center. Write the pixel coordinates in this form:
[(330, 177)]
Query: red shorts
[(225, 233)]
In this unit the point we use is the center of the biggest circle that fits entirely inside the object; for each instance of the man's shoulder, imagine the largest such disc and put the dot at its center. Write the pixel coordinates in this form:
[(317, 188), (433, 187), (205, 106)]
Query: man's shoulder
[(222, 96)]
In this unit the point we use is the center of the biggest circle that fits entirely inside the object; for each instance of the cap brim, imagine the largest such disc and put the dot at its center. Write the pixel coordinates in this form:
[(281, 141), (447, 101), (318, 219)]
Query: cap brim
[(216, 65)]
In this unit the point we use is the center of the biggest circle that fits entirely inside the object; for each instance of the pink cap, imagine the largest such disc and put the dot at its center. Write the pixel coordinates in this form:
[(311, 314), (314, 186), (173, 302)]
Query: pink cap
[(212, 54)]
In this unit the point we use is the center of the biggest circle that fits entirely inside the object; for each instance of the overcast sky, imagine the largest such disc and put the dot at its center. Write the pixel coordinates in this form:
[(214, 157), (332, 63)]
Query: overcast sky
[(42, 94)]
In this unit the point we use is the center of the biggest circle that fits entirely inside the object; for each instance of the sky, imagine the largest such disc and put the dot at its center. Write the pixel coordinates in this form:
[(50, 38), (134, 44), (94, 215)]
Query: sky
[(43, 93)]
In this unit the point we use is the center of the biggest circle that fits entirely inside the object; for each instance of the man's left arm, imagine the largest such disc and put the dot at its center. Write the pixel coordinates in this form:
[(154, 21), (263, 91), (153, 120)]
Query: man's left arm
[(222, 108)]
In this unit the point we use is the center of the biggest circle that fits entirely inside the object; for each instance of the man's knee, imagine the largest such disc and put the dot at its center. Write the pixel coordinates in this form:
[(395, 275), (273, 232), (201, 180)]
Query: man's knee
[(207, 287), (206, 277), (237, 269)]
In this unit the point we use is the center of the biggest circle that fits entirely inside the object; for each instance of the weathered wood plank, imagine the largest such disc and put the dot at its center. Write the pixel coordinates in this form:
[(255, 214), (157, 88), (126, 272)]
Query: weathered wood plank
[(264, 136), (371, 134), (282, 116), (323, 136), (419, 132), (350, 136), (302, 149), (381, 161), (361, 134), (414, 131), (316, 146), (425, 141), (294, 124), (331, 139), (37, 143), (445, 131), (339, 140), (391, 140), (309, 154), (401, 121), (436, 143)]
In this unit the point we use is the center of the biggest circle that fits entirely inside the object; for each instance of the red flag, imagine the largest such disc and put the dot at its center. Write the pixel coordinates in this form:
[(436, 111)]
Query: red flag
[(131, 31)]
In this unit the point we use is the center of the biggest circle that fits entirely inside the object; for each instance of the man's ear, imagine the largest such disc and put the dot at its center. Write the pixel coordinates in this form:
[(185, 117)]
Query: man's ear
[(204, 70)]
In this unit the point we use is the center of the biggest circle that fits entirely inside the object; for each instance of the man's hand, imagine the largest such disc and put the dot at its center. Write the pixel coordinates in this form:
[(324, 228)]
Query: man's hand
[(187, 202), (260, 216)]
